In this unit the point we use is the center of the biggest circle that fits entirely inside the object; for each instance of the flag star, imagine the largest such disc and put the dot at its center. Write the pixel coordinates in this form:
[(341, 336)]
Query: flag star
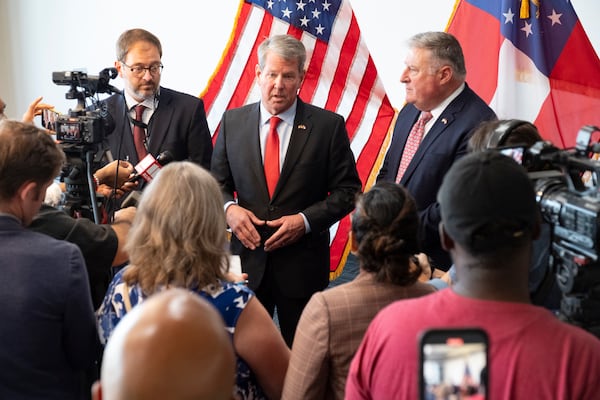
[(509, 16), (527, 29), (326, 5), (320, 29), (286, 13), (311, 1), (555, 18), (300, 5), (304, 21), (316, 13), (270, 4)]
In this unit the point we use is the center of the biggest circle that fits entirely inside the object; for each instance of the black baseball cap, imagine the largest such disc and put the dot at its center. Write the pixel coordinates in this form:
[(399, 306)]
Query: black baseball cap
[(487, 201)]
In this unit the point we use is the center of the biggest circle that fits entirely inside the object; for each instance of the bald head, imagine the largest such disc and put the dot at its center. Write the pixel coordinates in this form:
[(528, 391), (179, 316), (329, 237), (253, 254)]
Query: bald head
[(174, 345)]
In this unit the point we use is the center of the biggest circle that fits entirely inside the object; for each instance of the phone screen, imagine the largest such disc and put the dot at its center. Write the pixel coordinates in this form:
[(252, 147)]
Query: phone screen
[(49, 118), (454, 364)]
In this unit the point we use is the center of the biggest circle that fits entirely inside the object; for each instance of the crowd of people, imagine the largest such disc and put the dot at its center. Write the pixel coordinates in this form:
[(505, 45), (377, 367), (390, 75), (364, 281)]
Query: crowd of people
[(145, 305)]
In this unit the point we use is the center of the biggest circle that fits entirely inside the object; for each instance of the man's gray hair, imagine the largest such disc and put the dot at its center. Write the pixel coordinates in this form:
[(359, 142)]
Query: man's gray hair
[(285, 46), (444, 48)]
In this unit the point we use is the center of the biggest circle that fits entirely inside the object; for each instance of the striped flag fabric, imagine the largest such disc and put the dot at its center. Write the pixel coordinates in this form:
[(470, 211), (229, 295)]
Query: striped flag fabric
[(340, 77), (531, 59)]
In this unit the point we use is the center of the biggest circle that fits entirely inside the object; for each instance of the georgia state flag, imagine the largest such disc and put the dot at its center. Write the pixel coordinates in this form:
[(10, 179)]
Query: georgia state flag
[(531, 60)]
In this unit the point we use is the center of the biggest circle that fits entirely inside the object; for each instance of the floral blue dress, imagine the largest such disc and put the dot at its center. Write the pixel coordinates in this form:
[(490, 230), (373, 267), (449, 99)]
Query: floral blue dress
[(230, 299)]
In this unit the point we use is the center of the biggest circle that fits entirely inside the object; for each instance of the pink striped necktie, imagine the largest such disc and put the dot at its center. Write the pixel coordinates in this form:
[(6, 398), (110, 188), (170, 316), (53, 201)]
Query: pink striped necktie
[(412, 143)]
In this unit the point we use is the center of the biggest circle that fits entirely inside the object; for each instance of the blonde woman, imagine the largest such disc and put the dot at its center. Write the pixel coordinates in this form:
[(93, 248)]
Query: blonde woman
[(178, 239)]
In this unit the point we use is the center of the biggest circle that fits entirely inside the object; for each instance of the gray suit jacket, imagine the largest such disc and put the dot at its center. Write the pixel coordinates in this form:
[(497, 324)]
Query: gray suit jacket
[(318, 178)]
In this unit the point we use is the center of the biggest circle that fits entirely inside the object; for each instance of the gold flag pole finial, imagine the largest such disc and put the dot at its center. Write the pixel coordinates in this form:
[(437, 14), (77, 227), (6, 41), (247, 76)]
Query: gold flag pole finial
[(524, 11)]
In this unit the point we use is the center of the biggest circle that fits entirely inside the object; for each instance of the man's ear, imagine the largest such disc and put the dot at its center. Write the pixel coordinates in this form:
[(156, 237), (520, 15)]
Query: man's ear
[(29, 191), (445, 240), (97, 391)]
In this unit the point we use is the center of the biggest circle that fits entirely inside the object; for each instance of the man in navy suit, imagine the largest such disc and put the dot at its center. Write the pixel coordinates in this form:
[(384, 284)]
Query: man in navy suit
[(169, 120), (281, 230), (48, 329), (435, 83)]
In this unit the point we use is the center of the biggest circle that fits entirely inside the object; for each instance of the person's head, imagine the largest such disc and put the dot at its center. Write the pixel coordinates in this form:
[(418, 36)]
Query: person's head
[(280, 71), (139, 55), (172, 346), (501, 133), (384, 233), (29, 161), (488, 210), (178, 237), (435, 67)]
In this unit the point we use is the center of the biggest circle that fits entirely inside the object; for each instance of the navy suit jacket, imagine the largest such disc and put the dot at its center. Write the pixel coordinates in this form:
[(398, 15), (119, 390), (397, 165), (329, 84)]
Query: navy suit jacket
[(318, 178), (445, 142), (178, 125), (48, 332)]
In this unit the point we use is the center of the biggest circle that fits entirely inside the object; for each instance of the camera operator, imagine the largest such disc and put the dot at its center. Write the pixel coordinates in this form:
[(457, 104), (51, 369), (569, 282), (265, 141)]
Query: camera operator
[(102, 245), (515, 136)]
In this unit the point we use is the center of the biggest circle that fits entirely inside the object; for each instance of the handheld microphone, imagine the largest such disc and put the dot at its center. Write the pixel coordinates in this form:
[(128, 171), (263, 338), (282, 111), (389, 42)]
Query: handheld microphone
[(148, 168)]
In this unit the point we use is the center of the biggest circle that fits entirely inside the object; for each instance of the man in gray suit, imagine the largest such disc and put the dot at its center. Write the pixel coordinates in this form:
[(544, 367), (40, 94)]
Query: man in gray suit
[(281, 203)]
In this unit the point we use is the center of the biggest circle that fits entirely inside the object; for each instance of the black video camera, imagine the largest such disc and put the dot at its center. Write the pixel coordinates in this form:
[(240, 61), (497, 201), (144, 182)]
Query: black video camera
[(568, 194), (81, 134), (84, 125)]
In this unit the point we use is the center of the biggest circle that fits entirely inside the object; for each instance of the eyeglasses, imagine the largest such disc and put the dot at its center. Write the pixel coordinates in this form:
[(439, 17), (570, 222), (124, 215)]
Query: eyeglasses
[(139, 71)]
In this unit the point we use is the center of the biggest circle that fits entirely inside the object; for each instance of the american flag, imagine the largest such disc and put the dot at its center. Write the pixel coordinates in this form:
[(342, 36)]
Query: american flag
[(340, 77), (531, 60)]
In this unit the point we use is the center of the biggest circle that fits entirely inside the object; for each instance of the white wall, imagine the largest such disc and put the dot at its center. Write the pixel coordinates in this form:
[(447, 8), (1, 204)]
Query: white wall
[(38, 37)]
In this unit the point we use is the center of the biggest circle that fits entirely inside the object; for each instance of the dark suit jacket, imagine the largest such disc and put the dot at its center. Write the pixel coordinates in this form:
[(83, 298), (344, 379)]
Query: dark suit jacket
[(178, 125), (318, 178), (445, 142), (48, 329)]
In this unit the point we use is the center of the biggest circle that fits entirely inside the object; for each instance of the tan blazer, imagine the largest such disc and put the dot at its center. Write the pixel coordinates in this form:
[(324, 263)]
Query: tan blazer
[(330, 331)]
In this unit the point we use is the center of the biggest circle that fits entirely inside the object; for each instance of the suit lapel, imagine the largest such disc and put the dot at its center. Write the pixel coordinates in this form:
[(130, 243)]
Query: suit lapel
[(444, 121), (160, 121), (123, 125)]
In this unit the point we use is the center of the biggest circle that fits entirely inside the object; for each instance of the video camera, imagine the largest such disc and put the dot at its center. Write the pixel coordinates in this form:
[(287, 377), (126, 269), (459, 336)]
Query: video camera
[(81, 133), (572, 208), (83, 125)]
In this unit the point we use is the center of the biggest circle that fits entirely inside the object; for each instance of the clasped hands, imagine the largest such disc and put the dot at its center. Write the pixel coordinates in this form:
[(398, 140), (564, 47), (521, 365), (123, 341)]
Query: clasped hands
[(243, 223)]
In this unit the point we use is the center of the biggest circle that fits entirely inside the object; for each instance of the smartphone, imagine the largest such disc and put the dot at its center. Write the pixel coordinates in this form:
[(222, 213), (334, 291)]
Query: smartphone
[(49, 118), (454, 364)]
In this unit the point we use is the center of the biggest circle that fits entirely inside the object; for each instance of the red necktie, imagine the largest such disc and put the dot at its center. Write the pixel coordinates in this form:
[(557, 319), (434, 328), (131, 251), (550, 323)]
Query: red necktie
[(412, 143), (139, 135), (271, 162)]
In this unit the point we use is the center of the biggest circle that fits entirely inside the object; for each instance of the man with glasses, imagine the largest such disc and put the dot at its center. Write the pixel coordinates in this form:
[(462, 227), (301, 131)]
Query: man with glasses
[(150, 119)]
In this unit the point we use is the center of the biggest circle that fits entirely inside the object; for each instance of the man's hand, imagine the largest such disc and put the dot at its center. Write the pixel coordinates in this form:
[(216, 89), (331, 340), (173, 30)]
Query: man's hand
[(106, 175), (242, 223), (35, 108), (290, 229)]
